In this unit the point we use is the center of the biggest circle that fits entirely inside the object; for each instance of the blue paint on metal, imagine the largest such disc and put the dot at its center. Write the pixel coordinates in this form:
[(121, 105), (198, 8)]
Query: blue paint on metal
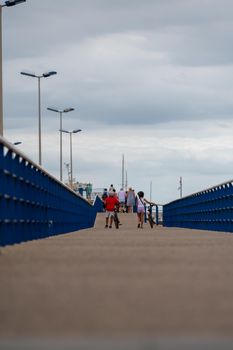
[(34, 204), (157, 214), (210, 209)]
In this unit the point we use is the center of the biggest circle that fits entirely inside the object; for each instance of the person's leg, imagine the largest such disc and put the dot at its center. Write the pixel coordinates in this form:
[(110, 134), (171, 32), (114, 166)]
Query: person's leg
[(106, 223), (142, 219), (139, 219), (111, 220)]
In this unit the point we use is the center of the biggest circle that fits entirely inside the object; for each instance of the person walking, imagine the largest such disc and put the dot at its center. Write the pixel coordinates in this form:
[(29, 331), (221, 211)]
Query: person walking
[(126, 195), (141, 206), (121, 198), (111, 188), (111, 202), (130, 200), (104, 196)]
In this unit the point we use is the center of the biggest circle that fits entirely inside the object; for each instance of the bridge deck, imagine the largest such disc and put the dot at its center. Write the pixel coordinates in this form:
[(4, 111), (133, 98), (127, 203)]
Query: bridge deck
[(119, 282)]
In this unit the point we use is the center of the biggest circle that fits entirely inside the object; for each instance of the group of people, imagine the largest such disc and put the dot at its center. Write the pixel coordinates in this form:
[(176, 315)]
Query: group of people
[(123, 201)]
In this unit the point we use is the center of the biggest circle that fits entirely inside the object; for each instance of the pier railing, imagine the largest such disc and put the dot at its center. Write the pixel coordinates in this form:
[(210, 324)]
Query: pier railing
[(210, 209), (34, 204)]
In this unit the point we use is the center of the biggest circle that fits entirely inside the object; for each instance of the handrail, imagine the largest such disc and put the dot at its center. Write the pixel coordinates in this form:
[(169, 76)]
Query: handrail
[(208, 189), (210, 209), (34, 204), (14, 149)]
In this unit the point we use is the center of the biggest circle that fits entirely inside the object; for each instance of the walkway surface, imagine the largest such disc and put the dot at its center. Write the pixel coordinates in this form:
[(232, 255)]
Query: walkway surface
[(146, 283)]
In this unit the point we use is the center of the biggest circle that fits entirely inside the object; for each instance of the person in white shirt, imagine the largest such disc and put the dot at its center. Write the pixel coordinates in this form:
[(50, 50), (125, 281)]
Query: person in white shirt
[(141, 205), (111, 188), (121, 198)]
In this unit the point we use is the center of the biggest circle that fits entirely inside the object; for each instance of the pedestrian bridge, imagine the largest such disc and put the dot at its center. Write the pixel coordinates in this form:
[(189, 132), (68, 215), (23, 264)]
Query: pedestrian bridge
[(34, 204), (73, 284)]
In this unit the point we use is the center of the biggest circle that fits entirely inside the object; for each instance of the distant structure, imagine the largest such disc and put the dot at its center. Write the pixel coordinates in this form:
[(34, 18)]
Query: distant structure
[(124, 175), (126, 180), (180, 188), (84, 189), (97, 192), (67, 165), (123, 172)]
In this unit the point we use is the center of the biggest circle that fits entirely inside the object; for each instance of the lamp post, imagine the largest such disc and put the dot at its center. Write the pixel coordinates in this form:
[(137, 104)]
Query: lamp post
[(180, 188), (71, 156), (123, 172), (44, 75), (66, 110), (8, 4)]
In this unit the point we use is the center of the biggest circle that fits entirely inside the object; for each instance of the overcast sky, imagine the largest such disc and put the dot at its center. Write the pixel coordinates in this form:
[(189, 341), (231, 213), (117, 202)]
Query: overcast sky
[(151, 79)]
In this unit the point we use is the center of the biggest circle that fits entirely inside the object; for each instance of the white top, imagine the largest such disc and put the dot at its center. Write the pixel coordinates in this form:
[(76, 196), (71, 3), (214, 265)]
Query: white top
[(121, 196), (140, 202)]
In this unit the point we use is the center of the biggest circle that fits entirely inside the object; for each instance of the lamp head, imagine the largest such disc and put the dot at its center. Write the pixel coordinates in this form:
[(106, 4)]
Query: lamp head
[(68, 110), (28, 74), (13, 2), (77, 130), (48, 74), (53, 109)]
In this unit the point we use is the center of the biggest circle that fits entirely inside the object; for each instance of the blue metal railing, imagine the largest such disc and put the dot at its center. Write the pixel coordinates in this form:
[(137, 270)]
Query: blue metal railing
[(210, 209), (34, 204)]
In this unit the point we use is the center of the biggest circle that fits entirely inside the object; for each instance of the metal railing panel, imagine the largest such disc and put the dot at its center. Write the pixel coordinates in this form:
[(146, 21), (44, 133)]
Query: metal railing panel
[(34, 204), (210, 209)]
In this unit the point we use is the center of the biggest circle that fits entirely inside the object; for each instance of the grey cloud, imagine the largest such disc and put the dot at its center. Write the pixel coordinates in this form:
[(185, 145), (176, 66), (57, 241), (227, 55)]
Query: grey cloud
[(193, 32)]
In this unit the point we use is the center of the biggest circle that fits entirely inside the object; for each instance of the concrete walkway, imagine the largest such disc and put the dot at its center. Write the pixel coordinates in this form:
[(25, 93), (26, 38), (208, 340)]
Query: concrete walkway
[(131, 282)]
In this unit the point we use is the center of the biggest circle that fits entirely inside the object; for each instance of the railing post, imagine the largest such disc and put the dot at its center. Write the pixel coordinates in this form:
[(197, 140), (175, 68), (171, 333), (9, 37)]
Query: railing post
[(157, 214)]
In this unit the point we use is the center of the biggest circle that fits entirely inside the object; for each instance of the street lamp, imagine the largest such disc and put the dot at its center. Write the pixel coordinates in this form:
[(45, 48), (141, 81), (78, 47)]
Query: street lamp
[(16, 143), (66, 110), (71, 160), (180, 188), (44, 75), (8, 4), (12, 2)]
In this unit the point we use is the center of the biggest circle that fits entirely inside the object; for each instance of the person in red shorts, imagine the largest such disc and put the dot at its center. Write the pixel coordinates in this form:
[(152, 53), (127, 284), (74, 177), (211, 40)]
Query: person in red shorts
[(111, 202)]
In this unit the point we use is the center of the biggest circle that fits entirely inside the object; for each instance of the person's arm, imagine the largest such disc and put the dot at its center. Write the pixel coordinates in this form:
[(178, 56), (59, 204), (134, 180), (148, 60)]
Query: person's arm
[(148, 202)]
